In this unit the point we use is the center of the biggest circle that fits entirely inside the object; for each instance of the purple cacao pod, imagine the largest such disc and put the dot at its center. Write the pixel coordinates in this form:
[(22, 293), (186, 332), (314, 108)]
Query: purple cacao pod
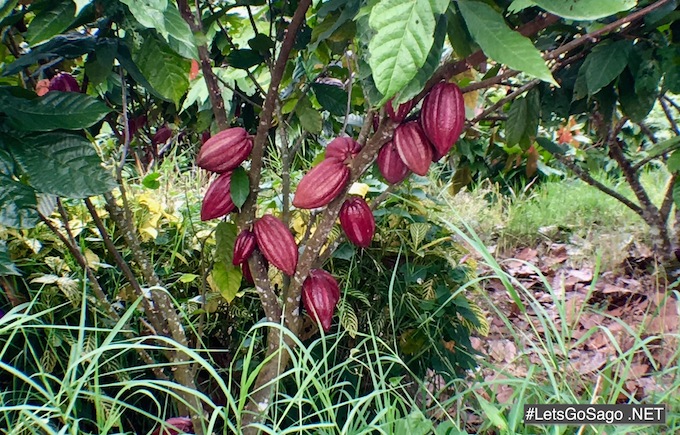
[(176, 426), (356, 220), (244, 246), (414, 149), (321, 184), (342, 149), (276, 243), (217, 200), (402, 111), (225, 151), (162, 135), (320, 295), (443, 117), (64, 82), (390, 164)]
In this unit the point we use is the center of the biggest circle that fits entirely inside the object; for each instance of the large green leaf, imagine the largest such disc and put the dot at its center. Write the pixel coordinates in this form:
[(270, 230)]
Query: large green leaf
[(331, 98), (51, 21), (55, 110), (62, 164), (68, 46), (585, 9), (310, 119), (635, 104), (500, 43), (6, 7), (149, 13), (6, 163), (605, 63), (18, 204), (517, 121), (416, 85), (459, 37), (403, 38), (676, 193), (227, 278), (225, 237), (166, 71), (6, 265), (239, 187)]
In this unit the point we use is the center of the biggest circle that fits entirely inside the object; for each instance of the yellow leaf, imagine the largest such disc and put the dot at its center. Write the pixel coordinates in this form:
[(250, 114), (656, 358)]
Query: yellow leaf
[(360, 189), (92, 259)]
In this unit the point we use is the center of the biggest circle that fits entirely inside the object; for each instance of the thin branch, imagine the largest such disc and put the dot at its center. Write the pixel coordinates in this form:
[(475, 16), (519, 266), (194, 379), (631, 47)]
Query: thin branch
[(511, 96), (669, 117), (490, 81), (349, 93), (667, 204), (656, 155)]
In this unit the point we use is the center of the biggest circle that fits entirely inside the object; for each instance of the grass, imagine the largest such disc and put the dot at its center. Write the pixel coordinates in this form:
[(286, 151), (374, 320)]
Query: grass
[(559, 211)]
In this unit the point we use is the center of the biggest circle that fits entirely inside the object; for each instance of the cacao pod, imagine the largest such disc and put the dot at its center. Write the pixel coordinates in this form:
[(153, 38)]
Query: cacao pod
[(390, 164), (217, 200), (244, 246), (320, 295), (443, 117), (175, 426), (342, 149), (276, 243), (225, 151), (321, 184), (356, 220), (64, 82), (413, 147), (402, 111), (245, 271), (162, 135)]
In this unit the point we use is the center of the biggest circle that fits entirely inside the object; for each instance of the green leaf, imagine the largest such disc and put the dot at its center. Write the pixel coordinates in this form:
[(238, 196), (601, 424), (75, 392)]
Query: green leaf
[(187, 278), (50, 22), (69, 46), (605, 63), (80, 4), (493, 414), (227, 278), (244, 58), (100, 63), (551, 146), (18, 204), (225, 236), (517, 121), (635, 105), (55, 110), (149, 13), (331, 98), (7, 267), (310, 119), (6, 7), (6, 163), (403, 38), (585, 9), (179, 35), (673, 163), (166, 71), (500, 43), (459, 37), (151, 180), (676, 193), (239, 187), (414, 424), (62, 164), (261, 43), (416, 85)]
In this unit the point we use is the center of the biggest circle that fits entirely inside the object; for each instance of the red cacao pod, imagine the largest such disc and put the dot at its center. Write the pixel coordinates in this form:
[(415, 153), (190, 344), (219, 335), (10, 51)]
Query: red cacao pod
[(276, 243), (175, 426), (321, 184), (162, 135), (342, 149), (217, 199), (413, 147), (244, 246), (64, 82), (320, 295), (443, 117), (225, 151), (401, 112), (245, 271), (390, 164), (356, 220)]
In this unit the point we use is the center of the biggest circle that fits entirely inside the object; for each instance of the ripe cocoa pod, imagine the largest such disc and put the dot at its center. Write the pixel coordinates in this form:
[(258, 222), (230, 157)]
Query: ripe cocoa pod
[(244, 246), (225, 151), (217, 200), (356, 220), (175, 426), (162, 135), (342, 149), (320, 295), (443, 117), (64, 82), (414, 149), (321, 184), (402, 111), (276, 243), (390, 164)]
